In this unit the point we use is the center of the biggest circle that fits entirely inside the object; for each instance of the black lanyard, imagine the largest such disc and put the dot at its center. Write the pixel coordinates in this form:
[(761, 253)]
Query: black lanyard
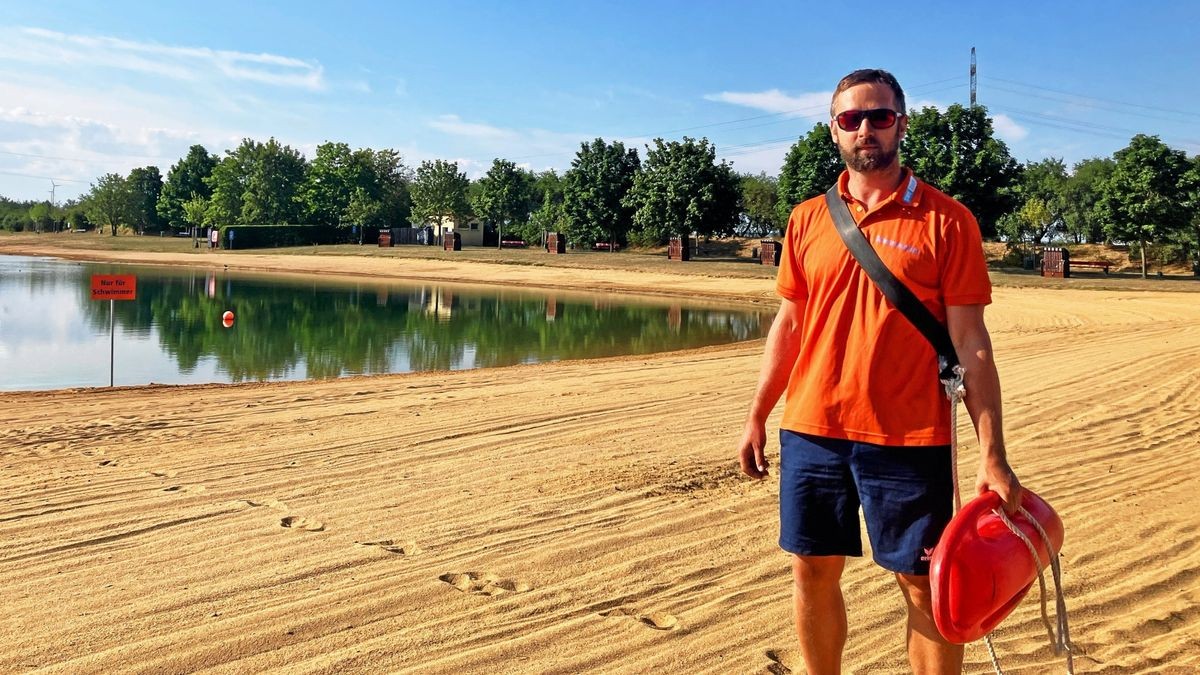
[(897, 293)]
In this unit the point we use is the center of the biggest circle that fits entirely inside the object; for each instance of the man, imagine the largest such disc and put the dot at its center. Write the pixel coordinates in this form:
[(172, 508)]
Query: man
[(866, 422)]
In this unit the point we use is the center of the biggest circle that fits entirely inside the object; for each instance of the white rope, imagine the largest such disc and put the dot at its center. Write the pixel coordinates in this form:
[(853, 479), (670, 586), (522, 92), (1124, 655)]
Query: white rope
[(955, 391), (1061, 644), (987, 641)]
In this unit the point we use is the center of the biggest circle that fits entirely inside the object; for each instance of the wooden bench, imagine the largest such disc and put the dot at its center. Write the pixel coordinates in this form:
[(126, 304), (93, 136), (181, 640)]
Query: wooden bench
[(1090, 263)]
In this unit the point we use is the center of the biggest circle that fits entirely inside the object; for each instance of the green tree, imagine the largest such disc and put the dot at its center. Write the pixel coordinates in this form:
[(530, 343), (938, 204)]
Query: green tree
[(594, 190), (39, 215), (258, 184), (811, 167), (335, 174), (1191, 192), (958, 153), (14, 216), (548, 214), (392, 178), (185, 180), (1189, 237), (77, 220), (146, 184), (110, 202), (505, 196), (439, 192), (1042, 190), (682, 189), (1081, 193), (363, 210), (1026, 225), (1143, 201), (195, 212), (550, 217), (547, 183), (760, 198)]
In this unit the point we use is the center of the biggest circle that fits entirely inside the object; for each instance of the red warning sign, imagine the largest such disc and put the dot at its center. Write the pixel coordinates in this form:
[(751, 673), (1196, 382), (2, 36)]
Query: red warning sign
[(114, 287)]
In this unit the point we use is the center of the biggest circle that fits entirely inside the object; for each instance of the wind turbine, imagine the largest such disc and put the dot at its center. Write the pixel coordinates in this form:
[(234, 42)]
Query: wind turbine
[(53, 188)]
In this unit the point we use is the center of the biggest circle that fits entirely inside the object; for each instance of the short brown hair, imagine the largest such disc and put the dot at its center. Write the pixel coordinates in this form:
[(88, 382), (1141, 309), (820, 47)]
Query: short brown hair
[(869, 76)]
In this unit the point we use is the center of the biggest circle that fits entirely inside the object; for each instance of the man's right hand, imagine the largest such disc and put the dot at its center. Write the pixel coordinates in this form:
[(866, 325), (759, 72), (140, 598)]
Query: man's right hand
[(751, 453)]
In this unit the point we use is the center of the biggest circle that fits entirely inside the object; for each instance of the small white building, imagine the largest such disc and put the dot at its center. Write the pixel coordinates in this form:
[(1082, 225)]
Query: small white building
[(470, 232)]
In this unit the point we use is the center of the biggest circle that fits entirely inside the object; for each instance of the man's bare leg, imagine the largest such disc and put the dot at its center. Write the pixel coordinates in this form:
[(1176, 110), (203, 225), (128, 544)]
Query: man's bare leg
[(928, 651), (820, 611)]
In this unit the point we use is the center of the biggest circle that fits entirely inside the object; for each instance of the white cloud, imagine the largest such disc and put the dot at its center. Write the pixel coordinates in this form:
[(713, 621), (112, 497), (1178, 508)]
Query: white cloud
[(46, 47), (455, 126), (814, 105), (1007, 129), (75, 107), (48, 136)]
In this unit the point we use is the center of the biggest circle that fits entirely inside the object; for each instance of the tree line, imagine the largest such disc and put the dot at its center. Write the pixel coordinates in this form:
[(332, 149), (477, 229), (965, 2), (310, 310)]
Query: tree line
[(1146, 195)]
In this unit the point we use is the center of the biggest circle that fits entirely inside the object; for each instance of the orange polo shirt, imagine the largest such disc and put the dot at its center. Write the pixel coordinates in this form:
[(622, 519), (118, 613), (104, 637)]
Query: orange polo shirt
[(864, 372)]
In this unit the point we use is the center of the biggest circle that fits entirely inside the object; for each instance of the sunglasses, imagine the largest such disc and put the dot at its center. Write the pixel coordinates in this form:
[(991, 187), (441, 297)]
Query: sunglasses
[(880, 118)]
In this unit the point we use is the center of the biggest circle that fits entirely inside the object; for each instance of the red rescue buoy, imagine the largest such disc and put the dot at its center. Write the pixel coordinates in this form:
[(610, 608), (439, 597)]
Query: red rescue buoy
[(227, 319), (980, 570)]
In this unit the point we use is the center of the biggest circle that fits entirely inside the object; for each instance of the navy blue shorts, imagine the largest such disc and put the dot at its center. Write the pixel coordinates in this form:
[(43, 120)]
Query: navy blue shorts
[(906, 495)]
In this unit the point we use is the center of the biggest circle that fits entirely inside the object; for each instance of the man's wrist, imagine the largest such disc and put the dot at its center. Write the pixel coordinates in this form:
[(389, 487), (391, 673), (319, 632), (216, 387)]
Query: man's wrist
[(993, 455)]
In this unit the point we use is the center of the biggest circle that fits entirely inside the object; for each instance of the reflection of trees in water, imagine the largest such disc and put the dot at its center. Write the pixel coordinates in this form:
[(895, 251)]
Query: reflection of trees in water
[(332, 331)]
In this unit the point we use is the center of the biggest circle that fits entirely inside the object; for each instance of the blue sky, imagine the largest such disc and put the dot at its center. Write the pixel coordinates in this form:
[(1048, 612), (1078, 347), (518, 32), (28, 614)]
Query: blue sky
[(88, 88)]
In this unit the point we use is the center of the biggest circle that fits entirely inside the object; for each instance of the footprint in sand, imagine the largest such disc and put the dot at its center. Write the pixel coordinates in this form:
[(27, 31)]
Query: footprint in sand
[(302, 523), (656, 620), (163, 473), (199, 489), (107, 462), (485, 583), (269, 503), (784, 661), (391, 546)]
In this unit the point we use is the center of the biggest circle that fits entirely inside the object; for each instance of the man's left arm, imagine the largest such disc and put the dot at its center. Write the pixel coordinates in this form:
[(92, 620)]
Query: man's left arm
[(974, 348)]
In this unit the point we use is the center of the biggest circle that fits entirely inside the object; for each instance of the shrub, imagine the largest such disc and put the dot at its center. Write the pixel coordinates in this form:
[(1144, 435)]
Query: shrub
[(274, 236)]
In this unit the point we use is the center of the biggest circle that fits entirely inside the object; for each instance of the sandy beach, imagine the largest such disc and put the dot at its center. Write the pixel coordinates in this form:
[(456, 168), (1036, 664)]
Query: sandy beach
[(574, 517)]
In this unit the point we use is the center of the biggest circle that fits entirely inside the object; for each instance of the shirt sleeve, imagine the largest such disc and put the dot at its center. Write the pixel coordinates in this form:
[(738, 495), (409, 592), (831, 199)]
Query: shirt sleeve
[(964, 269), (790, 282)]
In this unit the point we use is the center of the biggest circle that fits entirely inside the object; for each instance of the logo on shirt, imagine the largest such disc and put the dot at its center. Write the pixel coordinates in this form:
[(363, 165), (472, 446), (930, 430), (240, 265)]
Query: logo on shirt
[(928, 554), (907, 248)]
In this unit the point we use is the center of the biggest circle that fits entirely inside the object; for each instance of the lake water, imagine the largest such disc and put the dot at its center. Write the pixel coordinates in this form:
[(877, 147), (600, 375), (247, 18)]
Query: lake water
[(53, 335)]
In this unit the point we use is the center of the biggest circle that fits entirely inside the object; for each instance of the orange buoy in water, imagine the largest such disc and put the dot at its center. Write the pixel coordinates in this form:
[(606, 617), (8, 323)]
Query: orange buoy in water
[(227, 318)]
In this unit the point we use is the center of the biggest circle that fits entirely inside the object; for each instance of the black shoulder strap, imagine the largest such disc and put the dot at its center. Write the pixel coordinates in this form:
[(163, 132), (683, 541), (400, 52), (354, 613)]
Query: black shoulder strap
[(896, 293)]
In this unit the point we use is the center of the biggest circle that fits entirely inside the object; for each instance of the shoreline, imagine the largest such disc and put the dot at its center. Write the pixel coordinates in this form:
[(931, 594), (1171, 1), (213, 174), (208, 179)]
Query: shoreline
[(478, 521), (681, 282)]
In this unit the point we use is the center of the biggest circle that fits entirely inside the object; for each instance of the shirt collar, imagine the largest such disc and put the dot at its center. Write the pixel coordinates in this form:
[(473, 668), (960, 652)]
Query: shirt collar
[(908, 193)]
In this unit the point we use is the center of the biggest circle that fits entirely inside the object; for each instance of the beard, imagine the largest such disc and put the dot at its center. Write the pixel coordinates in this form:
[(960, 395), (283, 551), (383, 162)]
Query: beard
[(866, 160)]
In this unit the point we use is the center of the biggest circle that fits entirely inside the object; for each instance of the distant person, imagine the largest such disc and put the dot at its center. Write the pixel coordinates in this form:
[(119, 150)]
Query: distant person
[(866, 422)]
